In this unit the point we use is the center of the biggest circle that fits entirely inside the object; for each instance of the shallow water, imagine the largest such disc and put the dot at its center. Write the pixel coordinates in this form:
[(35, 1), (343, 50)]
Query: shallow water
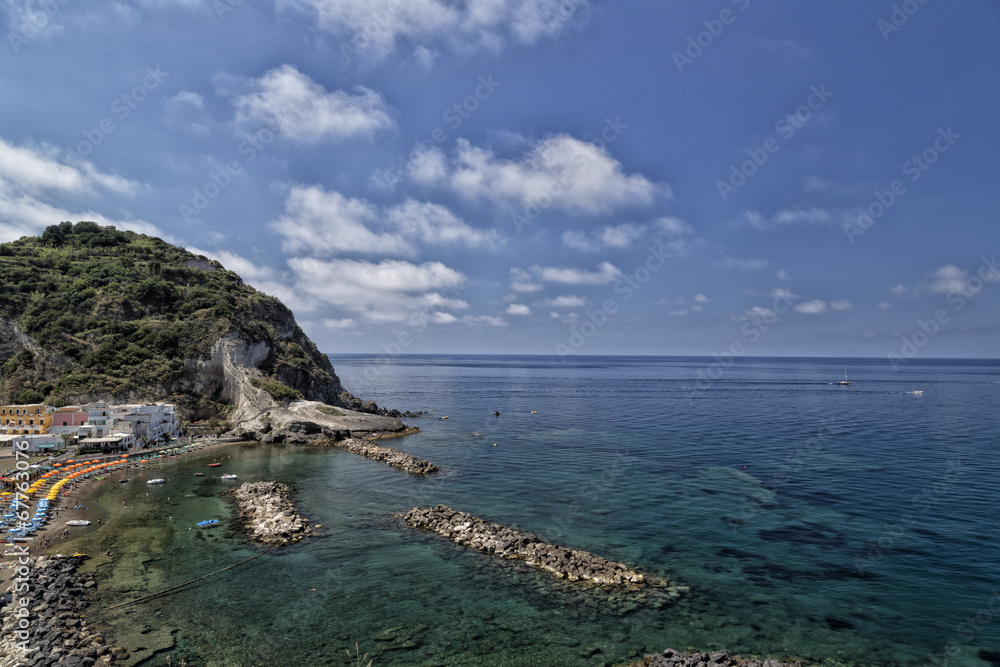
[(849, 525)]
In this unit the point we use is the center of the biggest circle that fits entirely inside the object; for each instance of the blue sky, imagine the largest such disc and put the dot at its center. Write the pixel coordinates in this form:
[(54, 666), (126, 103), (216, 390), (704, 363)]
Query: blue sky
[(536, 176)]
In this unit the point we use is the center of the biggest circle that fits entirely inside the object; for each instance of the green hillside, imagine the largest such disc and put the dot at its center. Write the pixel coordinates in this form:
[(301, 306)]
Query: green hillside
[(116, 314)]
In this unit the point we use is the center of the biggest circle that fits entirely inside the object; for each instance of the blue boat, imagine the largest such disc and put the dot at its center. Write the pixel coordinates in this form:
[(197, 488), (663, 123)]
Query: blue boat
[(207, 522)]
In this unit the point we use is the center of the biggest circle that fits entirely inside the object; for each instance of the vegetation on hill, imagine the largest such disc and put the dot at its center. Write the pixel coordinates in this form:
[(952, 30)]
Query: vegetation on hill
[(117, 314)]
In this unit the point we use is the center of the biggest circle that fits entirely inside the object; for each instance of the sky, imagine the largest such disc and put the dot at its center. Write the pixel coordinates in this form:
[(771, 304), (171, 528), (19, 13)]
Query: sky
[(572, 177)]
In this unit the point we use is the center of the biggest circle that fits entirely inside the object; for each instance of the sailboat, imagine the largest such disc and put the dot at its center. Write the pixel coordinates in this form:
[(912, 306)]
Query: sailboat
[(845, 382)]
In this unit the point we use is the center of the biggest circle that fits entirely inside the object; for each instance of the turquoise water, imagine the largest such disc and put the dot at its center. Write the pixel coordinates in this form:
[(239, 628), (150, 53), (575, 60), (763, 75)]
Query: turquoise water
[(848, 525)]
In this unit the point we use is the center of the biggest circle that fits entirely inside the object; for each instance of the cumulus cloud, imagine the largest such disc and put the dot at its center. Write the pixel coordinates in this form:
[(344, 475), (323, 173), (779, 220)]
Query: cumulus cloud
[(322, 222), (522, 281), (518, 309), (184, 99), (558, 172), (788, 218), (676, 234), (387, 291), (375, 29), (566, 301), (37, 183), (606, 273), (304, 112), (841, 304), (814, 307)]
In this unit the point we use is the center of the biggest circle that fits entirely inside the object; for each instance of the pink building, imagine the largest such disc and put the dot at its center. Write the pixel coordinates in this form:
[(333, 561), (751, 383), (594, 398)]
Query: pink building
[(70, 419)]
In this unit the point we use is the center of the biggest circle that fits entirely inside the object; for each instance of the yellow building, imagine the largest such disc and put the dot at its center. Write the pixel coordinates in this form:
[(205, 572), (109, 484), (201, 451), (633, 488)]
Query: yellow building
[(25, 419)]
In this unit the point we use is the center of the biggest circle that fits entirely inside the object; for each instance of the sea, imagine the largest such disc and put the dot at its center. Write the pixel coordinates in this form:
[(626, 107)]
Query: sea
[(836, 525)]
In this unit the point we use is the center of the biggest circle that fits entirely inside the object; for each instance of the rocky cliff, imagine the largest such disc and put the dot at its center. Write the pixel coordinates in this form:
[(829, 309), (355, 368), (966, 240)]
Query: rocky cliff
[(93, 313)]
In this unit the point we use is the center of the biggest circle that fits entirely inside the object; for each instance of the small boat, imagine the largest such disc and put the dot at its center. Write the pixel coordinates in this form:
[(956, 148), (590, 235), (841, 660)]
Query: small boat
[(207, 522), (214, 465), (78, 522), (230, 476), (122, 481), (199, 474), (156, 481), (845, 382)]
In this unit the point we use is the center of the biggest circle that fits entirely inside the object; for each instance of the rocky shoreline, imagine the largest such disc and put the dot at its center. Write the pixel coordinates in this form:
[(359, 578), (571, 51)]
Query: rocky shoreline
[(393, 457), (267, 513), (504, 542), (672, 658), (46, 615)]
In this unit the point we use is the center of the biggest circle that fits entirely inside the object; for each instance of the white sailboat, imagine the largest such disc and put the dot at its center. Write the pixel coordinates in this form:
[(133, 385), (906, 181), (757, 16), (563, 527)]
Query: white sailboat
[(845, 382)]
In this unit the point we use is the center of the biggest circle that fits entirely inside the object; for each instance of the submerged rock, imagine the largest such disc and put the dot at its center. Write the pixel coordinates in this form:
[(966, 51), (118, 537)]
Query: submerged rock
[(563, 563), (393, 457)]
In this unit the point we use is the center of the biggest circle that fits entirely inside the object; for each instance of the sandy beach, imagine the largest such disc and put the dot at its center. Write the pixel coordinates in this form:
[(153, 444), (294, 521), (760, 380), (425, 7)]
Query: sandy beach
[(64, 509)]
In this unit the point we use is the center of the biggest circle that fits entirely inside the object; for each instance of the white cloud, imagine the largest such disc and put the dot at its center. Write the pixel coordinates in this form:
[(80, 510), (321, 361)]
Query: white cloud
[(567, 301), (606, 273), (678, 313), (389, 291), (321, 222), (742, 264), (813, 307), (518, 309), (701, 298), (783, 275), (186, 98), (36, 180), (783, 294), (788, 217), (522, 281), (558, 172), (884, 305), (948, 279), (623, 236), (304, 112), (245, 268), (485, 319), (443, 318), (841, 304), (374, 29), (344, 323)]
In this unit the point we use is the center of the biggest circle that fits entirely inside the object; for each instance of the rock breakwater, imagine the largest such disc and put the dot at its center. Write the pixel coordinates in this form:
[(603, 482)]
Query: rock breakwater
[(44, 623), (393, 457), (672, 658), (492, 538), (267, 513)]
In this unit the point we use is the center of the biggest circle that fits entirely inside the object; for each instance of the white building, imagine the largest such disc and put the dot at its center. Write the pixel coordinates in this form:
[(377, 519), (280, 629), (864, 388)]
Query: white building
[(37, 444)]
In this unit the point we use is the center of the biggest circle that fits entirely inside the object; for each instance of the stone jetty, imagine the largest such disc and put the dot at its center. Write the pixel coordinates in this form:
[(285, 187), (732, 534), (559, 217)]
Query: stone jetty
[(505, 542), (47, 616), (672, 658), (267, 513), (393, 457)]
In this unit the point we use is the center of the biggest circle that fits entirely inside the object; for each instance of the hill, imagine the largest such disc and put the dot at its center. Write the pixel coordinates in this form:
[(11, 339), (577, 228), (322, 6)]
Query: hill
[(95, 313)]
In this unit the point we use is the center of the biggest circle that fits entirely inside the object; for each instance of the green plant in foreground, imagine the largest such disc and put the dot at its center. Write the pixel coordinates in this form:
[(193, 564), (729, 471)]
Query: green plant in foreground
[(357, 660)]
